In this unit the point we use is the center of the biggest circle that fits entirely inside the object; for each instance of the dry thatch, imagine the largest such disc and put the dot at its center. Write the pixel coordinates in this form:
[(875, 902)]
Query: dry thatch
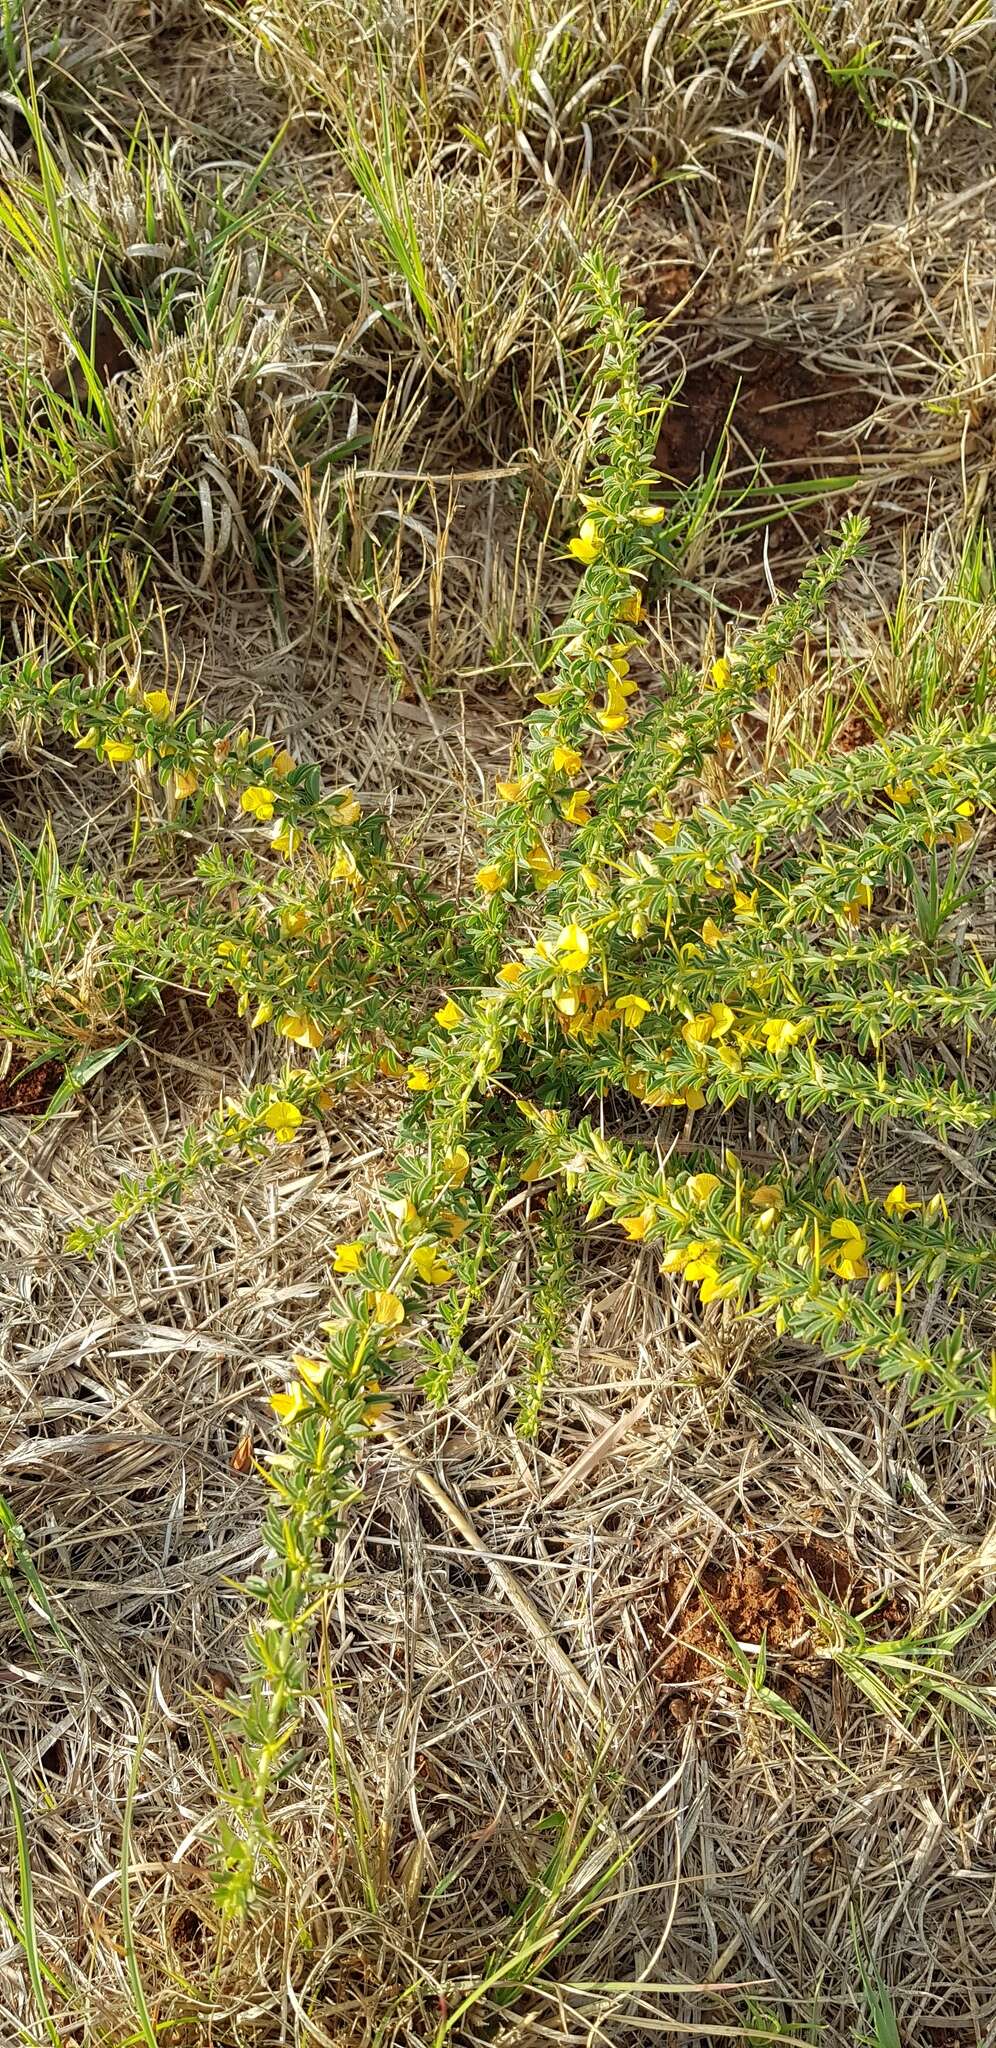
[(680, 1681)]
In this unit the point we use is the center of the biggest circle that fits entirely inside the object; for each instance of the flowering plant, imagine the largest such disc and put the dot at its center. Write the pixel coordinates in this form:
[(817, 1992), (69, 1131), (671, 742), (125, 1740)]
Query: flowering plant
[(647, 975)]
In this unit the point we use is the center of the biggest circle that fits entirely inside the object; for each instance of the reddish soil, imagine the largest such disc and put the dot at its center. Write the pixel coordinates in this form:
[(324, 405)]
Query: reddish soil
[(760, 1598), (672, 284), (855, 733), (24, 1093), (803, 420)]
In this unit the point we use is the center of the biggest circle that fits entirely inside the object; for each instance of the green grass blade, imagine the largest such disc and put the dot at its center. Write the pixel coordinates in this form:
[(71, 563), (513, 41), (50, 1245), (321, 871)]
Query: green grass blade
[(28, 1933), (146, 2030)]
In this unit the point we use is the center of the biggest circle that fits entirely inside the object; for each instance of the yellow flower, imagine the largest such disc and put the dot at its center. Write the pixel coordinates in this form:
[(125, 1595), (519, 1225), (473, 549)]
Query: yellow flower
[(587, 544), (156, 703), (430, 1267), (348, 1257), (89, 739), (631, 609), (712, 1288), (666, 830), (541, 867), (577, 808), (887, 1283), (631, 1010), (282, 763), (449, 1016), (897, 1202), (457, 1164), (744, 904), (377, 1403), (184, 782), (900, 792), (861, 900), (721, 672), (313, 1370), (679, 1256), (637, 1226), (117, 751), (768, 1197), (963, 831), (703, 1268), (300, 1029), (348, 810), (846, 1258), (490, 879), (712, 1023), (613, 718), (697, 1030), (573, 947), (258, 801), (620, 677), (701, 1185), (711, 934), (293, 923), (261, 1015), (344, 867), (387, 1308), (418, 1080), (285, 838), (512, 972), (283, 1119), (780, 1033), (649, 515), (566, 760), (509, 791), (699, 1262), (290, 1405), (622, 684)]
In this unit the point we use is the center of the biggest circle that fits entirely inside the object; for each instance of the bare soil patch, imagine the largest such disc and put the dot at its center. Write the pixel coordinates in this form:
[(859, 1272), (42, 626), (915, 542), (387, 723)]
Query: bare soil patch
[(805, 421), (25, 1089), (765, 1596)]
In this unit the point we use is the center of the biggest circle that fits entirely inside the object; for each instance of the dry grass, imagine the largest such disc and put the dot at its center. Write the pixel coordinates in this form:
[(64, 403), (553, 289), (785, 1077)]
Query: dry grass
[(314, 435)]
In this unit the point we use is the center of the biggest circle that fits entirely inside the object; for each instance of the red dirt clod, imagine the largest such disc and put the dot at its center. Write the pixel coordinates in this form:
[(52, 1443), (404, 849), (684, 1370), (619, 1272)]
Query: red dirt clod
[(26, 1090), (762, 1597)]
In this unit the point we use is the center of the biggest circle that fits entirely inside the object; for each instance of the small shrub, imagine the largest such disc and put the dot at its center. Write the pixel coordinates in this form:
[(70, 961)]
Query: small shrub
[(789, 951), (648, 975)]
